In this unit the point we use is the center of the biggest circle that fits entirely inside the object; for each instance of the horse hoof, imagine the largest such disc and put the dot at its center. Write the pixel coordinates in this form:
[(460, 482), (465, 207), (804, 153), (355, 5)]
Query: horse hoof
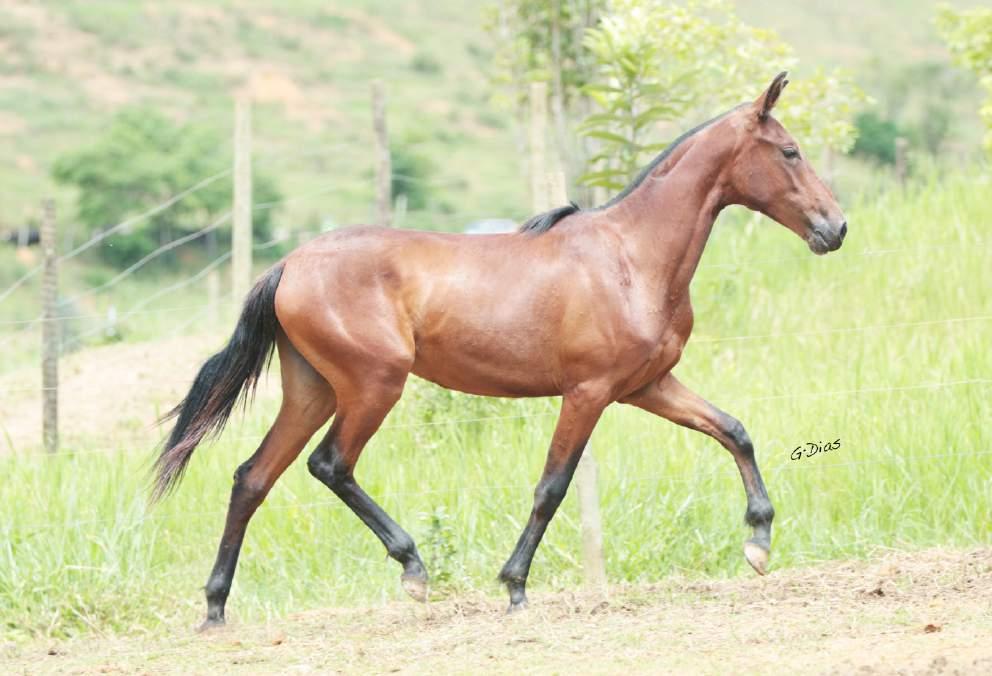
[(416, 587), (518, 607), (210, 624), (757, 556)]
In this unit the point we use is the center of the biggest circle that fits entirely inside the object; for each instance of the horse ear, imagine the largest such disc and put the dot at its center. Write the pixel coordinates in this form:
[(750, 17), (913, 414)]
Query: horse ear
[(769, 98)]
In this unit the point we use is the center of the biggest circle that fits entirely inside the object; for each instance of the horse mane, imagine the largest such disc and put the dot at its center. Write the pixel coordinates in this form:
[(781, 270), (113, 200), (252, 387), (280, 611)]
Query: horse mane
[(549, 219), (545, 221)]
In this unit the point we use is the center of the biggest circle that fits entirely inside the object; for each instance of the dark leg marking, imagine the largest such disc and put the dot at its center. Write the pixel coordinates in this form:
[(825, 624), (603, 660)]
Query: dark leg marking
[(328, 465), (548, 496)]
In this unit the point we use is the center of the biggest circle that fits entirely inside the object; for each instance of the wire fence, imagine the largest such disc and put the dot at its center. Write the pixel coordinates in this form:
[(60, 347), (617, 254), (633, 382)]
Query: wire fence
[(145, 445), (614, 480)]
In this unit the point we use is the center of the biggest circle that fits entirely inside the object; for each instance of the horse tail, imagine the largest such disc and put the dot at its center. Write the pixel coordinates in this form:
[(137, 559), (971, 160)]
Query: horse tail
[(226, 378)]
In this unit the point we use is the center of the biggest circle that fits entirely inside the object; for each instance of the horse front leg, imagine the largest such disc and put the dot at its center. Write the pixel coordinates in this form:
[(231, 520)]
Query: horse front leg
[(580, 411), (670, 399)]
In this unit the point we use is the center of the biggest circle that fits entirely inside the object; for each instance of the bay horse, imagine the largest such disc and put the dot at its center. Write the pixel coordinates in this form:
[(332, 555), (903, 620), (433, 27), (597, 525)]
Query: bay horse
[(589, 305)]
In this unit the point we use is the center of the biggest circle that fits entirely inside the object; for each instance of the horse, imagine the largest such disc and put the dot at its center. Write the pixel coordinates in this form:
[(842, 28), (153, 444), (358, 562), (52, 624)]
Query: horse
[(590, 305)]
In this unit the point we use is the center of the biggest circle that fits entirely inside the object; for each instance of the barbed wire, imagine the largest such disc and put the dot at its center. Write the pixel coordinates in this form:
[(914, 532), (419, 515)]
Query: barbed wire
[(142, 439), (744, 337), (128, 271), (136, 308)]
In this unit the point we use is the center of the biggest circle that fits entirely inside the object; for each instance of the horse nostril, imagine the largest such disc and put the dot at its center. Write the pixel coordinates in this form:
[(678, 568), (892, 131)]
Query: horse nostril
[(843, 230)]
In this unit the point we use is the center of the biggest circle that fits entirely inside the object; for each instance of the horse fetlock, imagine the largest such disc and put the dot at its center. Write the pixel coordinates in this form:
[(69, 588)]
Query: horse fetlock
[(217, 589), (549, 494), (760, 513)]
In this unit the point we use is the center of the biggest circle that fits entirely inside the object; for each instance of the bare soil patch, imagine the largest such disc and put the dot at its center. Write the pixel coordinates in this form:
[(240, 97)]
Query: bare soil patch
[(925, 612), (107, 394)]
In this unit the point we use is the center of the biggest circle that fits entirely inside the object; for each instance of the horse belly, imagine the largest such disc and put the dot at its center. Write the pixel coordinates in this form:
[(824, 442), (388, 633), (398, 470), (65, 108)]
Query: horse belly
[(483, 364)]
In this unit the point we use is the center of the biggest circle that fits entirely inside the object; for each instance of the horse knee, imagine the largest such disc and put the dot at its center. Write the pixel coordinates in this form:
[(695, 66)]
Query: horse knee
[(549, 495)]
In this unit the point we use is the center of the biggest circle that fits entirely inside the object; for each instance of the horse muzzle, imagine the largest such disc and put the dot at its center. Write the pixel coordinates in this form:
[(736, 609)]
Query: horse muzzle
[(824, 238)]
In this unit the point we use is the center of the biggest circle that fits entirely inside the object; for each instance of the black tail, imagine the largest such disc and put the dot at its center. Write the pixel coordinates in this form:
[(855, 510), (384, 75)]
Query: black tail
[(227, 377)]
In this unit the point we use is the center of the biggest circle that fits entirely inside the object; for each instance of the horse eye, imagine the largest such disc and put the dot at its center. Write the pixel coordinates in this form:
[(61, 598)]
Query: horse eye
[(790, 152)]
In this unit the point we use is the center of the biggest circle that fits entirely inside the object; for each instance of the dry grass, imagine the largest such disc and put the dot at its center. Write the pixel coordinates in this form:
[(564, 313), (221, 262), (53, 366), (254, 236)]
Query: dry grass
[(920, 613)]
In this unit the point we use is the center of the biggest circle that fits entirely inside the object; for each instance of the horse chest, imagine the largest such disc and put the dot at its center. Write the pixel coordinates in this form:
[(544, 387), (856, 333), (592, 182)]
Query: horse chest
[(651, 346)]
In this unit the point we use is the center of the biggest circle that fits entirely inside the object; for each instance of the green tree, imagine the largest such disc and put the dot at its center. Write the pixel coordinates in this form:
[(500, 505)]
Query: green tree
[(664, 64), (876, 137), (968, 34), (141, 160), (412, 174), (540, 41)]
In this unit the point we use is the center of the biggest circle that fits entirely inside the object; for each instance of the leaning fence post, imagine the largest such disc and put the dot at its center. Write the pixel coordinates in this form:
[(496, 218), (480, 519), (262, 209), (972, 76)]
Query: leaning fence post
[(49, 331), (383, 168), (593, 563), (242, 209)]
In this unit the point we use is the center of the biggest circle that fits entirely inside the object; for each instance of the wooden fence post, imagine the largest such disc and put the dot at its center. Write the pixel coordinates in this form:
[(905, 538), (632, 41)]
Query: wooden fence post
[(539, 194), (383, 168), (241, 230), (902, 166), (593, 562), (49, 331)]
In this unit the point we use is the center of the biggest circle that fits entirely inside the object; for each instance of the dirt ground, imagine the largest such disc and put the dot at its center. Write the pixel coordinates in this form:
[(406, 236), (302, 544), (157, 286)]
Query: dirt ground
[(110, 392), (925, 612)]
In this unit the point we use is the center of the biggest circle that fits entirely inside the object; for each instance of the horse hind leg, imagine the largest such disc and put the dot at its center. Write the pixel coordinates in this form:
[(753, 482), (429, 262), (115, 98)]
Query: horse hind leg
[(360, 413), (308, 402)]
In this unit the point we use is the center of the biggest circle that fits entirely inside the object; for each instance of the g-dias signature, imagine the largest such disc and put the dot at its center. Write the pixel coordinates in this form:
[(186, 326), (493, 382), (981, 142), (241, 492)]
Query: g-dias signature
[(811, 448)]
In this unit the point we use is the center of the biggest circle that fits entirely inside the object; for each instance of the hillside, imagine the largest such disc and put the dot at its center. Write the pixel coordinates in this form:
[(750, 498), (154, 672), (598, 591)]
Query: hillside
[(66, 66)]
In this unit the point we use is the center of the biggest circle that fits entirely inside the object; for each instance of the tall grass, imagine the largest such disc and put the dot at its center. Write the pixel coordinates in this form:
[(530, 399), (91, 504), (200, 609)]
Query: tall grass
[(801, 348)]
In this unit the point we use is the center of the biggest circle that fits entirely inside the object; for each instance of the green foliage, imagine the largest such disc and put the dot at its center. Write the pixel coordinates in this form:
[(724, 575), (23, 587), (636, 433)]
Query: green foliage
[(876, 137), (437, 546), (920, 98), (523, 32), (968, 34), (425, 62), (659, 63), (411, 176), (141, 160), (819, 108)]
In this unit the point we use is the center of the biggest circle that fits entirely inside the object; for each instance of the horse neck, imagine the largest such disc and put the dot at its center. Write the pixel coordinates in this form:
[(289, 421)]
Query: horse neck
[(666, 221)]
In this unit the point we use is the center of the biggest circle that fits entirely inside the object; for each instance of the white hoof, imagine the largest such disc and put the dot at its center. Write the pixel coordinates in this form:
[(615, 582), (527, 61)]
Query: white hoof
[(415, 587), (757, 556)]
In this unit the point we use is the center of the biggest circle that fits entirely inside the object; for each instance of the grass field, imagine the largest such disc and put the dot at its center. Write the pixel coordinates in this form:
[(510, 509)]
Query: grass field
[(883, 345)]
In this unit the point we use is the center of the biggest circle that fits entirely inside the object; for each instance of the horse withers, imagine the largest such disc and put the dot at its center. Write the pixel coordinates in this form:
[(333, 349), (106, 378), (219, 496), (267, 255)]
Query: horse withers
[(589, 305)]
